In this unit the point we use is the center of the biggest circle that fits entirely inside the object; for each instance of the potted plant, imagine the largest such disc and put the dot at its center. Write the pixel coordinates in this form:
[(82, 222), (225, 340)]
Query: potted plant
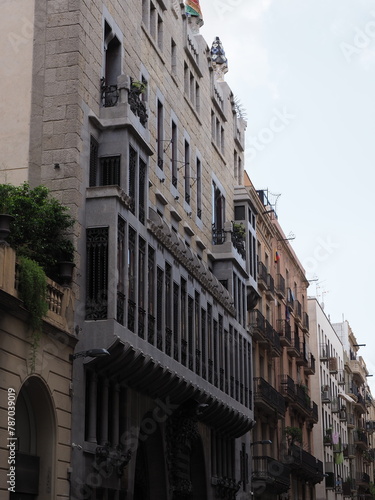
[(138, 87), (293, 434)]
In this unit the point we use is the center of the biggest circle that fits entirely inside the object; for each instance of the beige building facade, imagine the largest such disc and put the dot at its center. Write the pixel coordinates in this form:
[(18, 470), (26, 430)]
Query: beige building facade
[(35, 450)]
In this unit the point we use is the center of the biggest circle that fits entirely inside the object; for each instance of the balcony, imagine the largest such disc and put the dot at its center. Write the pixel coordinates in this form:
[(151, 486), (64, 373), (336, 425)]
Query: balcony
[(332, 365), (341, 377), (270, 291), (294, 350), (262, 276), (349, 451), (305, 465), (280, 286), (349, 487), (360, 440), (362, 479), (287, 388), (305, 322), (258, 326), (335, 405), (273, 339), (326, 394), (268, 398), (304, 358), (310, 366), (370, 426), (324, 352), (272, 474), (298, 310), (285, 332), (357, 370), (352, 390), (360, 404), (327, 437), (350, 420), (304, 405)]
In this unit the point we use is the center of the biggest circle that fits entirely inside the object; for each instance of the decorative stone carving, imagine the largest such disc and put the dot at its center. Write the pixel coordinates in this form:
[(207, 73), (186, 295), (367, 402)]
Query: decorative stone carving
[(112, 459), (219, 60)]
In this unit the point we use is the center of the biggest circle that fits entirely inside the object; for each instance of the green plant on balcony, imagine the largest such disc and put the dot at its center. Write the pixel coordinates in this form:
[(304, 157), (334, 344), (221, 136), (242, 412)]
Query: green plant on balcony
[(238, 236), (33, 292), (138, 87), (40, 226), (293, 435)]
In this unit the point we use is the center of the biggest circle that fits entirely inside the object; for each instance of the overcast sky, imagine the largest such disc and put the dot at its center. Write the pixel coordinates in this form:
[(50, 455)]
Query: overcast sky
[(304, 71)]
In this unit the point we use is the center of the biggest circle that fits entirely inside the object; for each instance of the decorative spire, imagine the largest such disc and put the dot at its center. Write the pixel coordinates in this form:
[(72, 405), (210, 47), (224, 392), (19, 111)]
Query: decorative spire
[(219, 60), (193, 11)]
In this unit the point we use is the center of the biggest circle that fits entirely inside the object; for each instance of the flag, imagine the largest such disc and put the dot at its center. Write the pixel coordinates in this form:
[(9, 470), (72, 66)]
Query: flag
[(277, 256), (193, 8)]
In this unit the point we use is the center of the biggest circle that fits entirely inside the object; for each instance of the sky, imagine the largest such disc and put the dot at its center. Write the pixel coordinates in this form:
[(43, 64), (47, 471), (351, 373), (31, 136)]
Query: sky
[(304, 72)]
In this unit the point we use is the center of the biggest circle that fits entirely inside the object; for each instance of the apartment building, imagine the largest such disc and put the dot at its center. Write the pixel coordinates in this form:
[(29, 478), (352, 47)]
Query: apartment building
[(123, 112), (284, 464)]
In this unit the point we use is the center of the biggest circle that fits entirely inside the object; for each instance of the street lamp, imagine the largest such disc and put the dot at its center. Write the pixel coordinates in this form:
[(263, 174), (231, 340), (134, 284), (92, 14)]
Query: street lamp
[(90, 353)]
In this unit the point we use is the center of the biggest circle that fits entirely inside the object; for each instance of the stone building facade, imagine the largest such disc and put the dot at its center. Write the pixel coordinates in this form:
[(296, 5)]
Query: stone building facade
[(129, 122)]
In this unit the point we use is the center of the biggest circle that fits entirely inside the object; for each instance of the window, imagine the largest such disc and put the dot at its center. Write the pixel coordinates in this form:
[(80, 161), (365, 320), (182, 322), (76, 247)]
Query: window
[(110, 171), (199, 189), (112, 66), (160, 134), (173, 57), (218, 202), (137, 184), (152, 17), (174, 155), (97, 273), (187, 172)]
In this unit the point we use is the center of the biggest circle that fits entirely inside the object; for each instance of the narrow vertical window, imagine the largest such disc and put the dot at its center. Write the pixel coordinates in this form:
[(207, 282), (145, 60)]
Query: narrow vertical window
[(151, 295), (209, 342), (131, 279), (141, 286), (110, 171), (199, 188), (183, 323), (176, 322), (173, 57), (204, 343), (186, 78), (132, 177), (235, 166), (145, 12), (94, 148), (120, 270), (222, 143), (159, 308), (192, 87), (160, 33), (160, 135), (174, 154), (187, 172), (197, 97), (142, 191), (97, 273), (153, 20), (168, 309), (190, 331)]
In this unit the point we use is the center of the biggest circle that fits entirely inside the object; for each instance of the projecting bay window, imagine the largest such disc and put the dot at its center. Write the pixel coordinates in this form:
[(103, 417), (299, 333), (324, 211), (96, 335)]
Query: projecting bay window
[(96, 273)]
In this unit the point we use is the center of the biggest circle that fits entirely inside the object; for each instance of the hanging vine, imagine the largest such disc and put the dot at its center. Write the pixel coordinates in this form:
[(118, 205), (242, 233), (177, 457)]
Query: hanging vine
[(33, 292)]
